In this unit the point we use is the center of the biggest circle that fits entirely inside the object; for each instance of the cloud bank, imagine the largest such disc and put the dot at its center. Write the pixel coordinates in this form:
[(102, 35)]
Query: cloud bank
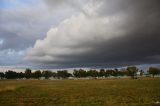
[(122, 32), (22, 22)]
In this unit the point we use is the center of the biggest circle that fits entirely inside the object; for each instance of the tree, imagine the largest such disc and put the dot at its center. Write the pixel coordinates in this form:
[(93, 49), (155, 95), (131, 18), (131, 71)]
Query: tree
[(109, 73), (80, 73), (154, 71), (63, 74), (75, 73), (122, 72), (54, 74), (28, 73), (47, 74), (92, 73), (132, 71), (141, 72), (2, 75), (20, 75), (115, 72), (11, 74), (101, 73), (37, 74)]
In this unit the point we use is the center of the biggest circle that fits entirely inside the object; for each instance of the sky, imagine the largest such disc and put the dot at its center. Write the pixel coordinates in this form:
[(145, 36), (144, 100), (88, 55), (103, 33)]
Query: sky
[(79, 33)]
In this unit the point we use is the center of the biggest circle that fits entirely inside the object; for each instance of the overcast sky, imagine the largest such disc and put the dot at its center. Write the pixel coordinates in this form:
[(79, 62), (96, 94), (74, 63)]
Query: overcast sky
[(76, 33)]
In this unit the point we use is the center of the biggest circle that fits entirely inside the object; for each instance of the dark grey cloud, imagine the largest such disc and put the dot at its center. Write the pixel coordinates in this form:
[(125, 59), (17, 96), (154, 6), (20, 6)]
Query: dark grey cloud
[(123, 32), (141, 42), (20, 31)]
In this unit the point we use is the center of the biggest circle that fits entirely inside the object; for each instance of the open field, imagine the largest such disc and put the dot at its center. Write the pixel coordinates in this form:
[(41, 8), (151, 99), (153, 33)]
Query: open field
[(109, 92)]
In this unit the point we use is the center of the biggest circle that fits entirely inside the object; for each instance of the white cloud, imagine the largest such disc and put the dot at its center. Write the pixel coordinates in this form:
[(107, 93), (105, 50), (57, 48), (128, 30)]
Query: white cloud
[(76, 36)]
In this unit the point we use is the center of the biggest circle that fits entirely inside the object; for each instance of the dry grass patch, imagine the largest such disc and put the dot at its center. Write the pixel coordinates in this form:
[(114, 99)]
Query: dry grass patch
[(111, 92), (8, 88)]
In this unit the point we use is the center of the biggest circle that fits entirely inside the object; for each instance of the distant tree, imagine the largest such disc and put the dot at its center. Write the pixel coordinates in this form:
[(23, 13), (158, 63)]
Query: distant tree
[(63, 74), (154, 71), (92, 73), (20, 75), (54, 74), (2, 75), (101, 73), (11, 75), (110, 73), (141, 72), (115, 72), (47, 74), (122, 72), (28, 73), (80, 73), (75, 73), (107, 73), (132, 71), (37, 74)]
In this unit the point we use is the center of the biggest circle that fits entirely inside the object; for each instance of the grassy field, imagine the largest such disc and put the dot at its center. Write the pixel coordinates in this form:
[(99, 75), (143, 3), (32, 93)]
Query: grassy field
[(110, 92)]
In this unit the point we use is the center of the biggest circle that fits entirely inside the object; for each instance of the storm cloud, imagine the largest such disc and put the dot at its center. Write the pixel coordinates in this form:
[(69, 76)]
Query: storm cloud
[(19, 21), (79, 32), (23, 22), (123, 32)]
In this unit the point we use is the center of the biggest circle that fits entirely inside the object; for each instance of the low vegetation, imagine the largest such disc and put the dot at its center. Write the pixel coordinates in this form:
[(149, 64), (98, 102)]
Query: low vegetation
[(108, 92)]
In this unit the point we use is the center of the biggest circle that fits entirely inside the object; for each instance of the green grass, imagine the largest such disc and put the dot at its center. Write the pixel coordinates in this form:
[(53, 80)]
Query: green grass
[(110, 92)]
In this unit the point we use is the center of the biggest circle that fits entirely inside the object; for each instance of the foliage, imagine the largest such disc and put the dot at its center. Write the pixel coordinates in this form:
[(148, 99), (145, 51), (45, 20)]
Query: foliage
[(47, 74), (2, 75), (28, 73), (132, 71), (129, 71), (80, 73), (101, 73), (10, 74), (92, 73), (154, 71), (63, 74), (141, 72), (37, 74)]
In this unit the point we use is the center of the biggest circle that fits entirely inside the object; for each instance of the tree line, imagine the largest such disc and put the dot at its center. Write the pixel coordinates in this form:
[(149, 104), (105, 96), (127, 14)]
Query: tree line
[(80, 73)]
